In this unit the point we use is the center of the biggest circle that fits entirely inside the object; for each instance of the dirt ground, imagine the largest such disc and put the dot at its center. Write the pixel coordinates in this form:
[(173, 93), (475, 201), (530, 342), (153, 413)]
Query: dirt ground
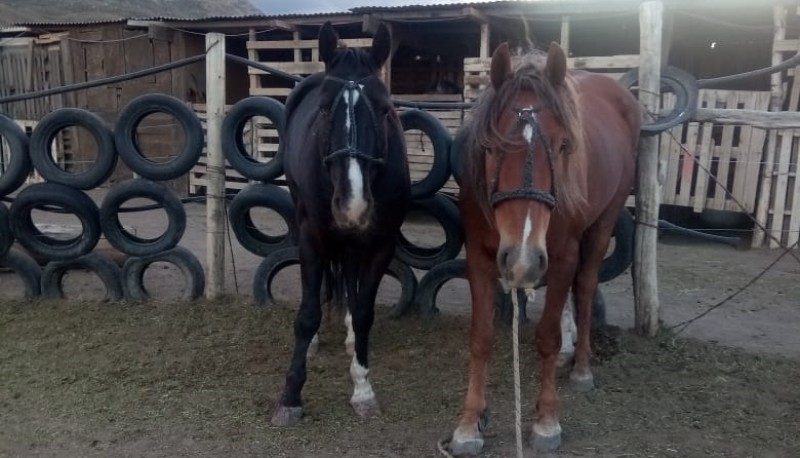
[(85, 378)]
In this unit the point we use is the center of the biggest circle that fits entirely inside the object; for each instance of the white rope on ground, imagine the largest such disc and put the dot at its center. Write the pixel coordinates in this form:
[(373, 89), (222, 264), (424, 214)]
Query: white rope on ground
[(517, 390)]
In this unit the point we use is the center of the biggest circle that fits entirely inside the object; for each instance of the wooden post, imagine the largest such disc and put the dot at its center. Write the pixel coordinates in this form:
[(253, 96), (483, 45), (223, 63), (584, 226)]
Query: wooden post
[(648, 197), (775, 104), (484, 50), (215, 166), (565, 34)]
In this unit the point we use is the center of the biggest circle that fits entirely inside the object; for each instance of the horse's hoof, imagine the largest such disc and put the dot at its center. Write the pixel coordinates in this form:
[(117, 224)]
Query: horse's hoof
[(366, 408), (564, 359), (544, 444), (287, 416), (582, 383), (466, 441)]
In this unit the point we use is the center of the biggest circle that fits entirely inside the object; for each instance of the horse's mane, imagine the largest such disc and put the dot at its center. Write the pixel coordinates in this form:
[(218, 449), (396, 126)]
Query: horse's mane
[(484, 133)]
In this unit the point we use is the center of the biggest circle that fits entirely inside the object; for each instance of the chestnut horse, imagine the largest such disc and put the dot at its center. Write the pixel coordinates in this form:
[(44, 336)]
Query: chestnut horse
[(346, 167), (550, 161)]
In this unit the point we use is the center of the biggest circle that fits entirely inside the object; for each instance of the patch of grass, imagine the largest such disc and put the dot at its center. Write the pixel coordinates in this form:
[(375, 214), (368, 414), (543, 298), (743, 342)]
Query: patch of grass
[(174, 379)]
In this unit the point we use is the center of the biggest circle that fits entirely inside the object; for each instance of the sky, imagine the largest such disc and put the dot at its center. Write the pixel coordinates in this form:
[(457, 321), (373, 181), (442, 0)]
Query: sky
[(271, 7)]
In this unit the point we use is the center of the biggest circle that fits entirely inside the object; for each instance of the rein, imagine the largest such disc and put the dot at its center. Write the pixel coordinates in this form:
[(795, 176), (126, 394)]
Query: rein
[(350, 149), (526, 118)]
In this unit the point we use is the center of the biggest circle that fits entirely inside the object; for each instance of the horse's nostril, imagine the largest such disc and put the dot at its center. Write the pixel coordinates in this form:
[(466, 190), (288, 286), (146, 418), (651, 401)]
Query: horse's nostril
[(542, 262), (502, 258)]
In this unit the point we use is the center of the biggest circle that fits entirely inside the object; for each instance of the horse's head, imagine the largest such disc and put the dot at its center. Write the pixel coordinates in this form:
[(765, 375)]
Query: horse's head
[(356, 115), (525, 132)]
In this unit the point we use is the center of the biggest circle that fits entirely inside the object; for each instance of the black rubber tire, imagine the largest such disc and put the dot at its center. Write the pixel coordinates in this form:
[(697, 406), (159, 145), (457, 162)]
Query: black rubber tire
[(128, 243), (6, 237), (134, 268), (682, 84), (446, 213), (268, 196), (56, 121), (433, 280), (408, 287), (129, 152), (19, 162), (103, 266), (233, 146), (458, 155), (441, 140), (55, 195), (622, 256), (268, 269), (27, 269)]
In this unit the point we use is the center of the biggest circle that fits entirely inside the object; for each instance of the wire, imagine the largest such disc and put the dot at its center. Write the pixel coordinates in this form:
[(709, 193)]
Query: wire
[(685, 324), (192, 32)]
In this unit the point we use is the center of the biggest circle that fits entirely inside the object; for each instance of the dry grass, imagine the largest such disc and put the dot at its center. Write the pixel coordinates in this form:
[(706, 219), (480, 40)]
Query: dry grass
[(171, 379)]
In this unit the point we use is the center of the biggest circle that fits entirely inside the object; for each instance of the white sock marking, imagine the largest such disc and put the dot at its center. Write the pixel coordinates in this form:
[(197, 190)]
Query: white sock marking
[(350, 340), (362, 390), (569, 331)]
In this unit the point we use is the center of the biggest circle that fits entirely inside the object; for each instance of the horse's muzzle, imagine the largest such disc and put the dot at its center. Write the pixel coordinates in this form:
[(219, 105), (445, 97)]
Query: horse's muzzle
[(521, 266)]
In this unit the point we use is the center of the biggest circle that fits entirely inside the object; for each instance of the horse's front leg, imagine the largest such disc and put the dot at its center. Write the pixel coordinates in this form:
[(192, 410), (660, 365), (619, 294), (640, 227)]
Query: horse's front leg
[(482, 276), (362, 311), (546, 428), (290, 408)]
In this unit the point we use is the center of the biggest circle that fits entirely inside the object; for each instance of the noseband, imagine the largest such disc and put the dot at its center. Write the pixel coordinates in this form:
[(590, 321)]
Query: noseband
[(350, 149), (526, 118)]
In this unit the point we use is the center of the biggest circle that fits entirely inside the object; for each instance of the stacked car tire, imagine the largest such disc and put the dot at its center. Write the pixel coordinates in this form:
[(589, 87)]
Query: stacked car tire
[(64, 192)]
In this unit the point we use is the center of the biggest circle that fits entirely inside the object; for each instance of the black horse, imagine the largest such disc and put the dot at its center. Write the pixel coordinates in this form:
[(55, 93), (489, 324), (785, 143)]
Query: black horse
[(346, 167)]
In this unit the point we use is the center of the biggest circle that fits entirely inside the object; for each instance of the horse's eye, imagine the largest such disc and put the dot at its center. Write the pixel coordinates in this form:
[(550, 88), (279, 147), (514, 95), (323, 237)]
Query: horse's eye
[(563, 147)]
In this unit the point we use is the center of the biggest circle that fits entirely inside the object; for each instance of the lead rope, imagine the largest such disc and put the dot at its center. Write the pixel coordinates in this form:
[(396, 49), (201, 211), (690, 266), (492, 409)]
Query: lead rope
[(442, 444), (517, 389)]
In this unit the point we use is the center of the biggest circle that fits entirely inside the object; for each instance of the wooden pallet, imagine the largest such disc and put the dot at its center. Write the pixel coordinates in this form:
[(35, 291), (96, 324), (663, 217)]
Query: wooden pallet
[(733, 155), (304, 61)]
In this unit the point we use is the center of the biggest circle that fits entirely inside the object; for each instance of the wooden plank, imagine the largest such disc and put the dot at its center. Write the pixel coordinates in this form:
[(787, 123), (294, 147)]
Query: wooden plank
[(755, 118), (794, 216), (309, 44), (703, 179), (688, 171), (724, 157), (295, 68), (781, 179), (622, 61), (271, 91)]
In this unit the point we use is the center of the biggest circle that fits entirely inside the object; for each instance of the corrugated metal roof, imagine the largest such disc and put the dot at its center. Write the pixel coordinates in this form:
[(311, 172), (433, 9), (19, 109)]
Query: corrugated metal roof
[(86, 12)]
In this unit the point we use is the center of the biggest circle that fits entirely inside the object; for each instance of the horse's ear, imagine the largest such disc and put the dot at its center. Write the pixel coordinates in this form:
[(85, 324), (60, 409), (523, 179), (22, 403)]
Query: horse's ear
[(328, 41), (556, 68), (381, 45), (501, 65)]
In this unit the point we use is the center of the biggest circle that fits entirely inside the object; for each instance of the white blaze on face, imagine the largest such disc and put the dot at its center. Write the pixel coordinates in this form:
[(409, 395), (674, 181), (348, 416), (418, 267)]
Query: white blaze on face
[(526, 234), (357, 205), (362, 390)]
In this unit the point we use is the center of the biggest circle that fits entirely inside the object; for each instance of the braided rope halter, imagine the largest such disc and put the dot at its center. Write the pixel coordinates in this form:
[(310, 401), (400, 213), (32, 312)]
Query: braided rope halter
[(526, 118), (350, 149)]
